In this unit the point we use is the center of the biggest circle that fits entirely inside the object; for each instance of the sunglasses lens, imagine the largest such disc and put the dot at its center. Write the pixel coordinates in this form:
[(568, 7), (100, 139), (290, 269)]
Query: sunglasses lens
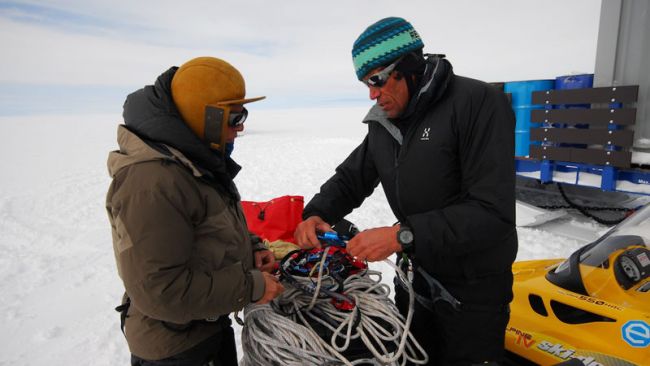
[(376, 80), (238, 118), (379, 79)]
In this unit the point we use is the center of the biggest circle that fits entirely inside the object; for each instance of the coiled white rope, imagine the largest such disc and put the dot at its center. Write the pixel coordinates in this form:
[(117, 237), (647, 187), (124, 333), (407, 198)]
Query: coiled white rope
[(282, 333)]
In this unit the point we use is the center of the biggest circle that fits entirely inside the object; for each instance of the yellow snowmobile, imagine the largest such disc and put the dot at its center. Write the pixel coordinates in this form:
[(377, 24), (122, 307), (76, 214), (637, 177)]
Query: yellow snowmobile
[(593, 306)]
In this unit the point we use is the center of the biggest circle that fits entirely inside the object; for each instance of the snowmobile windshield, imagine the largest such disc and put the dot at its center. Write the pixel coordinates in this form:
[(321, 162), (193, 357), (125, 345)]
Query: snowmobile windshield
[(632, 232)]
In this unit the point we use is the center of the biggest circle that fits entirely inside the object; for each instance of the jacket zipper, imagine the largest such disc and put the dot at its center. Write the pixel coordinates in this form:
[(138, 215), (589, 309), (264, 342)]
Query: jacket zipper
[(410, 131)]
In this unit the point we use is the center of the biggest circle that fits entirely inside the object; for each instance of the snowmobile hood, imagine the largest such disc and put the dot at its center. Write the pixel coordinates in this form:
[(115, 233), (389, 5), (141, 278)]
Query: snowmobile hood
[(593, 306)]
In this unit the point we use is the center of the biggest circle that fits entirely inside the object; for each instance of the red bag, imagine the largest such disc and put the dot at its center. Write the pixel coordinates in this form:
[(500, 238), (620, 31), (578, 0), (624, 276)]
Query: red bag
[(276, 219)]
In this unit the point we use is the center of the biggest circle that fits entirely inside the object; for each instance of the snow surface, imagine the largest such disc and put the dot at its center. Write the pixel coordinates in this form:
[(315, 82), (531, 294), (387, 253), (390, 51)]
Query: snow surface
[(58, 279)]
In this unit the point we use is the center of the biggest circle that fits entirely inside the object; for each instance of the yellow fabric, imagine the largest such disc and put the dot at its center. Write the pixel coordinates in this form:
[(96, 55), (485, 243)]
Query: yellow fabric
[(280, 248)]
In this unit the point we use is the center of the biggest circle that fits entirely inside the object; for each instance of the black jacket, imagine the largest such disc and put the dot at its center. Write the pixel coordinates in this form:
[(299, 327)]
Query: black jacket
[(447, 169)]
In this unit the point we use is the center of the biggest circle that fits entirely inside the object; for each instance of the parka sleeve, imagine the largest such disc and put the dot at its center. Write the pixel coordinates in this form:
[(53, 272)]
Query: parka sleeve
[(354, 180), (154, 232), (483, 216)]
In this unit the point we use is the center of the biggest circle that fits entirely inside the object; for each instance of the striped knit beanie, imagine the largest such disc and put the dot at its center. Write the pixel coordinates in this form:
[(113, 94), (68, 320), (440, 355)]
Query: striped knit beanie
[(382, 43)]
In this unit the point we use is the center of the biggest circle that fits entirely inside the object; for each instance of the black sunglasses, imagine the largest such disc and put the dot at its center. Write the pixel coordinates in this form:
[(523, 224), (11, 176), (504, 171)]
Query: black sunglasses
[(380, 78), (236, 119)]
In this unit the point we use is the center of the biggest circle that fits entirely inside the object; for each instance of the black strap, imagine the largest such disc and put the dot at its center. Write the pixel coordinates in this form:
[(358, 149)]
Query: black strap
[(123, 309), (437, 292), (181, 328), (436, 289)]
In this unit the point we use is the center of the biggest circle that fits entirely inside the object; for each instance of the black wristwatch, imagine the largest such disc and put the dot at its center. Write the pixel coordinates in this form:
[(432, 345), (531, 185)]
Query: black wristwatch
[(405, 238)]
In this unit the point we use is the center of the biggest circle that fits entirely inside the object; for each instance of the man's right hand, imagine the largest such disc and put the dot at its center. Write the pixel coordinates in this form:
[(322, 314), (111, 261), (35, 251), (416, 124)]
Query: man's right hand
[(305, 234), (272, 288)]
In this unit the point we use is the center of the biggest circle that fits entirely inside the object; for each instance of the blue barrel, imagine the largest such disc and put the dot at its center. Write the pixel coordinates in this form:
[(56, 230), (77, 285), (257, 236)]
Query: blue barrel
[(521, 92), (574, 82)]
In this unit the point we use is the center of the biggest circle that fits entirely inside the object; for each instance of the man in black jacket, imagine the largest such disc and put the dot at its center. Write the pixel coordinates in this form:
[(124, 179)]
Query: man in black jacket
[(442, 147)]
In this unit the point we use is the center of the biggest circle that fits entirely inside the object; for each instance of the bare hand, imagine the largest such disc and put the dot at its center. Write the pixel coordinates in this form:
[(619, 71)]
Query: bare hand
[(375, 244), (305, 234), (272, 288), (264, 260)]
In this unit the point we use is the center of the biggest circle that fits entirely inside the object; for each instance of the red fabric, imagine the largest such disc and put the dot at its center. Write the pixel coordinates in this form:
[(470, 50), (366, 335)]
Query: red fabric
[(276, 219)]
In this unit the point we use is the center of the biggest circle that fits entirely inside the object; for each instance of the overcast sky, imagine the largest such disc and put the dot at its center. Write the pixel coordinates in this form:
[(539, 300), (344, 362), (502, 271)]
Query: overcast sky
[(84, 56)]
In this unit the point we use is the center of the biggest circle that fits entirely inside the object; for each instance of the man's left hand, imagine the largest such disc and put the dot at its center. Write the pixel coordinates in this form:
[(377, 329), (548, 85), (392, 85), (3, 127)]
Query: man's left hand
[(264, 260), (375, 244)]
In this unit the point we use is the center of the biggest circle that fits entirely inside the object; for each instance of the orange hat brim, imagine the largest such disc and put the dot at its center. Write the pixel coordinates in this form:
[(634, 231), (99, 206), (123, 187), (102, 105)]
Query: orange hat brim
[(240, 101)]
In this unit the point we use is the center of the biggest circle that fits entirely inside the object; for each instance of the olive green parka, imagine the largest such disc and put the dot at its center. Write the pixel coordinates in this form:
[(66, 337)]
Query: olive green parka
[(180, 238)]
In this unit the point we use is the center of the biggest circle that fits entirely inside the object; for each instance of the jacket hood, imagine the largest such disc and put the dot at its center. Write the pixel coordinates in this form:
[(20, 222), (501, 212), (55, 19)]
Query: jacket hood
[(151, 114), (134, 150), (434, 82)]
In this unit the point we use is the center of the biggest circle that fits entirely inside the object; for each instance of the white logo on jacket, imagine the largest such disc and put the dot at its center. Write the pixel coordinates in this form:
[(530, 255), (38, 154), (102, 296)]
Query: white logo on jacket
[(425, 134)]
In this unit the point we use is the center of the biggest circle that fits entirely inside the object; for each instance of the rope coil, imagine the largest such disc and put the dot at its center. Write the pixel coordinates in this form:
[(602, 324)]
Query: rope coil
[(291, 329)]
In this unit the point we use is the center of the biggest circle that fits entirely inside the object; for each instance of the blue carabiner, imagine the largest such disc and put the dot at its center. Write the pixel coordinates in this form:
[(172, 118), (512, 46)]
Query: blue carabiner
[(333, 239)]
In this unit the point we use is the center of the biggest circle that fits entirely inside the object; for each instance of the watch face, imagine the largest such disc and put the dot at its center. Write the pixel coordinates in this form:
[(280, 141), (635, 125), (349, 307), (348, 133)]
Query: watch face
[(406, 237)]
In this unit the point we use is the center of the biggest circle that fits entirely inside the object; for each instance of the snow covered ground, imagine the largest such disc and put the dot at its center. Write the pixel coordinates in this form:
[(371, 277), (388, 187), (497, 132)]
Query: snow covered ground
[(58, 281)]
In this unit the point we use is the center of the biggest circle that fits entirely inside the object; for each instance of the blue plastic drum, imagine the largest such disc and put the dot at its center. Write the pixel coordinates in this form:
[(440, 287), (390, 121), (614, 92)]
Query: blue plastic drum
[(521, 92), (574, 82)]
